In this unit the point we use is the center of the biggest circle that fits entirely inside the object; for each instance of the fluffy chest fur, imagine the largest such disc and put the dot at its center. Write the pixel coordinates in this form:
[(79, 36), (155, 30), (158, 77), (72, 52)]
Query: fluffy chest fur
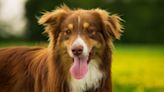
[(91, 80)]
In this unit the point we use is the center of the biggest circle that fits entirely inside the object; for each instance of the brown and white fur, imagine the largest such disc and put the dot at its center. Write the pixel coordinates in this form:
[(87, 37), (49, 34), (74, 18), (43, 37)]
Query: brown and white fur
[(78, 33)]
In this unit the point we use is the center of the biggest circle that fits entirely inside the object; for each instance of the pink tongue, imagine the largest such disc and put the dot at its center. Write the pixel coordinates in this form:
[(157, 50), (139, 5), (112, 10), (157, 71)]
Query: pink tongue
[(79, 68)]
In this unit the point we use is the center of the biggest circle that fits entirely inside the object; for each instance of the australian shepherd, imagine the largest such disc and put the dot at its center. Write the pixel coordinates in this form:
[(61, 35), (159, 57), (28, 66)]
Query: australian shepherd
[(77, 59)]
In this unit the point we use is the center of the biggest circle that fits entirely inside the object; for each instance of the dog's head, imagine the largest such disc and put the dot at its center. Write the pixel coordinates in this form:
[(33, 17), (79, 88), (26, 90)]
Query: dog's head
[(80, 35)]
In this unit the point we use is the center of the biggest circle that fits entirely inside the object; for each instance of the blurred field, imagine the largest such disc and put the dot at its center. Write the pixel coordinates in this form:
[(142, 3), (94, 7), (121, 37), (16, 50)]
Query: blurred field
[(135, 68), (138, 68), (21, 43)]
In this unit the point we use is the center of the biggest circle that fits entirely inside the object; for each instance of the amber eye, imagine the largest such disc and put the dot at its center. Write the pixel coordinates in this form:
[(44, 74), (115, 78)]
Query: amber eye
[(91, 31), (67, 31)]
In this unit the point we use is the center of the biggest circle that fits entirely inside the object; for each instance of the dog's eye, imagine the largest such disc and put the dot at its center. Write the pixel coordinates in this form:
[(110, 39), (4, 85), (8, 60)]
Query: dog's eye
[(91, 31), (67, 31)]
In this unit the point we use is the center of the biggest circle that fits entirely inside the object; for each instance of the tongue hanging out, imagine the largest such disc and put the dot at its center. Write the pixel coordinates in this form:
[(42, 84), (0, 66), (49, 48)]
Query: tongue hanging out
[(79, 68)]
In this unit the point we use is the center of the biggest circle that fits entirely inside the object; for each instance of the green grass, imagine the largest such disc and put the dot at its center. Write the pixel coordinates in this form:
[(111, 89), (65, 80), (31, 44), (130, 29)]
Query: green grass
[(135, 68), (138, 68)]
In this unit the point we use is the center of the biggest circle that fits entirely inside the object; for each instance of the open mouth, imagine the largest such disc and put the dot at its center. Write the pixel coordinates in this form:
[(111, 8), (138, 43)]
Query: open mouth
[(79, 67)]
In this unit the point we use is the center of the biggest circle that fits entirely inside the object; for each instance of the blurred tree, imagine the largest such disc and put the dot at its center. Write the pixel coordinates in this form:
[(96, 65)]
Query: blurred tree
[(33, 10)]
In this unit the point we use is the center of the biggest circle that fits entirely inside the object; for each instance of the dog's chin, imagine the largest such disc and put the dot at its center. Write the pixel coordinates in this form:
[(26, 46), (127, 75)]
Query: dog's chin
[(80, 65)]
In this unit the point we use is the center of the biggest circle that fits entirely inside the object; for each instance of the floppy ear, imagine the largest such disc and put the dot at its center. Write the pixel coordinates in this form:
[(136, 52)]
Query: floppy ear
[(113, 26), (48, 18), (111, 23), (52, 21), (53, 17)]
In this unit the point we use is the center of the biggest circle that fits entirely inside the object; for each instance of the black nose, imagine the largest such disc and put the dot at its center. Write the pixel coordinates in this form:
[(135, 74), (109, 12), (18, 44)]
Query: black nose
[(77, 50)]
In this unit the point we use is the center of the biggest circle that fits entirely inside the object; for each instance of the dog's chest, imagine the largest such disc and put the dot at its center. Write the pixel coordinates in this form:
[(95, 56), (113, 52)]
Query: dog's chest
[(91, 80)]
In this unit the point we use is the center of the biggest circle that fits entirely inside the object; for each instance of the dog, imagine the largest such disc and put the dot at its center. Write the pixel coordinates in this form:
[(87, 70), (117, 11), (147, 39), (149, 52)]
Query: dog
[(77, 59)]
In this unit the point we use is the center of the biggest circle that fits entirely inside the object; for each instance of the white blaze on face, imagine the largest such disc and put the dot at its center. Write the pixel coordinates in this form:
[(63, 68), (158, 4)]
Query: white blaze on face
[(80, 42), (79, 20)]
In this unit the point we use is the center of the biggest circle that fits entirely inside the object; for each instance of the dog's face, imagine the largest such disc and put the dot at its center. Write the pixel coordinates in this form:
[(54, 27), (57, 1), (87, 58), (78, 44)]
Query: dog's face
[(81, 36)]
